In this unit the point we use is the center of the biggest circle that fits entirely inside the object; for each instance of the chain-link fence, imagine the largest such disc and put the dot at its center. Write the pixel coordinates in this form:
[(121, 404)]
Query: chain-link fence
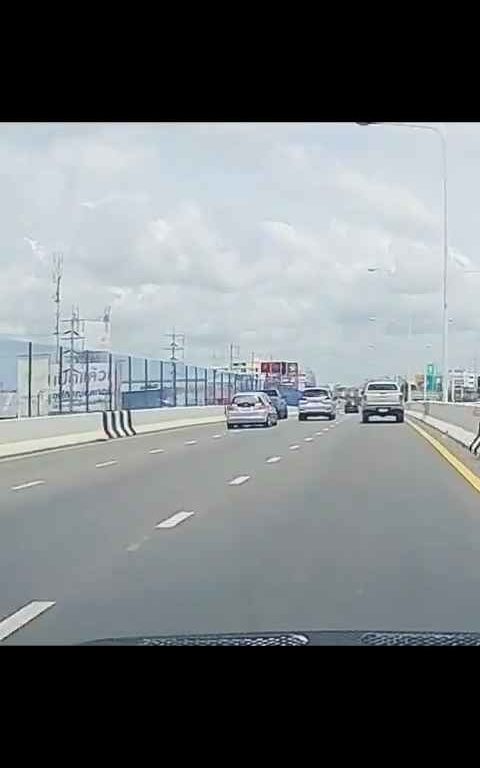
[(37, 379)]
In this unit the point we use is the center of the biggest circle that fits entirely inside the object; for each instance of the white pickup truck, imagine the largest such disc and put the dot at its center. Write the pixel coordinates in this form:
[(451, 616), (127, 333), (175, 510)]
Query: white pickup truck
[(382, 398)]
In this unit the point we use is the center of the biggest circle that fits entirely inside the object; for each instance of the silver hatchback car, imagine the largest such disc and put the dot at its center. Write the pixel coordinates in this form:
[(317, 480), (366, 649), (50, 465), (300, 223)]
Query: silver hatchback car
[(251, 408)]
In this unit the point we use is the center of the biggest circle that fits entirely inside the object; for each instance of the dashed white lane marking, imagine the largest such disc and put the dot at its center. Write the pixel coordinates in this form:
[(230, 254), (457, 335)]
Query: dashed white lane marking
[(319, 434), (135, 547), (27, 485), (326, 429), (21, 617), (274, 459), (308, 439), (106, 464), (176, 519), (294, 447), (216, 437), (239, 480), (191, 442), (157, 450)]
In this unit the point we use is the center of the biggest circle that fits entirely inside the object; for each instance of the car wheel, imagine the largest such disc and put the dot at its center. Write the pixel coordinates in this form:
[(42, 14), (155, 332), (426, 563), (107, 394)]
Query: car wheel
[(229, 426), (400, 419), (365, 419)]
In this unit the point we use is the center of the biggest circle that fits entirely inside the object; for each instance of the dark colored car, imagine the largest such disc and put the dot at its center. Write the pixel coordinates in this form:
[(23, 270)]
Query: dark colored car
[(351, 405), (278, 402)]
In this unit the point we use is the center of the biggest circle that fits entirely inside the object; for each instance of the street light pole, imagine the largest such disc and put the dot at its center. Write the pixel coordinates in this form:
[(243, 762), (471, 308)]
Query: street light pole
[(443, 142)]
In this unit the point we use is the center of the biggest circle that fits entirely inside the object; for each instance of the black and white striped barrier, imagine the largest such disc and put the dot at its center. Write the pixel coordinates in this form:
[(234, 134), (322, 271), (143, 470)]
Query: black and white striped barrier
[(475, 446), (118, 424)]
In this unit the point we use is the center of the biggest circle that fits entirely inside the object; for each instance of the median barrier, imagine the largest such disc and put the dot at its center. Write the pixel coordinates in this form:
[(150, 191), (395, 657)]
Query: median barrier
[(158, 419), (18, 436), (29, 435), (457, 420), (118, 424), (461, 415)]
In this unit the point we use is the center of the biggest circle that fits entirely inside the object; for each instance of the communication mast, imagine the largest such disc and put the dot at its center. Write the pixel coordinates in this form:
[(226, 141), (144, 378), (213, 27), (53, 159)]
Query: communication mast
[(174, 345)]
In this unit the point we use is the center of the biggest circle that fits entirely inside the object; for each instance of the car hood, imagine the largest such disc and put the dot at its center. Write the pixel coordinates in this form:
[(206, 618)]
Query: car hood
[(329, 637)]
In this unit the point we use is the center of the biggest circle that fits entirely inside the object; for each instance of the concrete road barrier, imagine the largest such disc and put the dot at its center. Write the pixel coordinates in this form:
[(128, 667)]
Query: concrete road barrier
[(22, 436), (158, 419), (118, 424), (43, 432), (458, 421), (465, 416)]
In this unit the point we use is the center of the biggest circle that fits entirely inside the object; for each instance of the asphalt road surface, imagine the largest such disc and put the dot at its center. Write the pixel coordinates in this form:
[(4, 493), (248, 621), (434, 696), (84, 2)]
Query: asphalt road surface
[(302, 526)]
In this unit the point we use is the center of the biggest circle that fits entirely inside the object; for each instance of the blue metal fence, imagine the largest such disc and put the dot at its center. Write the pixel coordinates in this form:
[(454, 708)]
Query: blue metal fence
[(37, 379), (42, 380)]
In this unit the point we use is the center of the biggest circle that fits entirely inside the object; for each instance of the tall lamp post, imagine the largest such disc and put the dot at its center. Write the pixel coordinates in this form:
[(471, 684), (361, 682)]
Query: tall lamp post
[(443, 142)]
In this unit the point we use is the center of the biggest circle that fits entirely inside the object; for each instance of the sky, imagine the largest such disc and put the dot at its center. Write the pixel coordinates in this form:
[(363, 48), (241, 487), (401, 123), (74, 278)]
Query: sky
[(257, 234)]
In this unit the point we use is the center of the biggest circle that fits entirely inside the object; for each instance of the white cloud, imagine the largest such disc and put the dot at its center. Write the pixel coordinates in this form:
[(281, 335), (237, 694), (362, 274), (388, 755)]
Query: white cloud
[(258, 234)]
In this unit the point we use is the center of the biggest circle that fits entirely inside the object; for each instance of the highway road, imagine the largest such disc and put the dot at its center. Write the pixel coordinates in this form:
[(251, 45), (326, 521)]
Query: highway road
[(303, 526)]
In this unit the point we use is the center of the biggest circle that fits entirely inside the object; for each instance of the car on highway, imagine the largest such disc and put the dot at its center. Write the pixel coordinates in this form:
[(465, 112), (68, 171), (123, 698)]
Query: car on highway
[(251, 409), (278, 402), (382, 398), (317, 401), (351, 405)]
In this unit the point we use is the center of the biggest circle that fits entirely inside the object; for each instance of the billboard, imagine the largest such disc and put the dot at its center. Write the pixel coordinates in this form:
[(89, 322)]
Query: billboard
[(74, 380), (279, 368)]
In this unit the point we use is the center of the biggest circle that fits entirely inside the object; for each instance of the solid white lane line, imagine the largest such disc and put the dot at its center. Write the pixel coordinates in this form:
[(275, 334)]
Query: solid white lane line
[(215, 437), (239, 480), (294, 447), (26, 614), (27, 485), (106, 464), (274, 459), (190, 442), (176, 519), (157, 450), (308, 439)]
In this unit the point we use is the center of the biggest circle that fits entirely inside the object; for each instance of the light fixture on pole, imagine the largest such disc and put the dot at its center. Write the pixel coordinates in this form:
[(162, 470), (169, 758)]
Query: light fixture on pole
[(443, 142)]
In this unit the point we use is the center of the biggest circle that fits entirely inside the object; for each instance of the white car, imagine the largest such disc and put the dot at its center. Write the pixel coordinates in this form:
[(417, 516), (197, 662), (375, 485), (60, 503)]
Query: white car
[(251, 408), (382, 398), (317, 401)]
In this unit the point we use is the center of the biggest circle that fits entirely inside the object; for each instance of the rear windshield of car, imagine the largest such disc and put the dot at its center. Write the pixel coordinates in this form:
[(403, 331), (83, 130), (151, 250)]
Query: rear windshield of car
[(271, 392), (246, 400), (316, 393), (382, 388)]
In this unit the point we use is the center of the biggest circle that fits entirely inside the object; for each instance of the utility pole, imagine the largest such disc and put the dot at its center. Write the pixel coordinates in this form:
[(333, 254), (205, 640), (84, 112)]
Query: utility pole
[(174, 345), (72, 335), (57, 274), (76, 333)]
